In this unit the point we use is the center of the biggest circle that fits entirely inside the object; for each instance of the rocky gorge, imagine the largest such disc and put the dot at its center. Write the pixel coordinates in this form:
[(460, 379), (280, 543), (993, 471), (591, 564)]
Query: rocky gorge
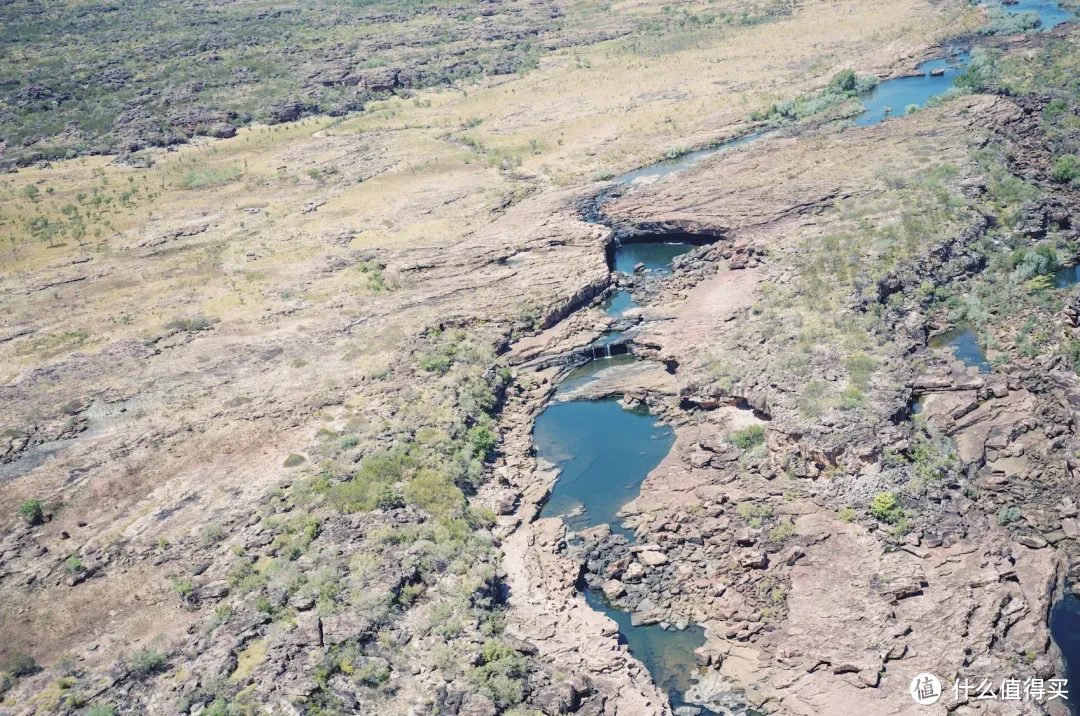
[(350, 504), (809, 606)]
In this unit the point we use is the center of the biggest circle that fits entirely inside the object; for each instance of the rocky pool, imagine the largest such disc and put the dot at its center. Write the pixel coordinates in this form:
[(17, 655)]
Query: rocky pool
[(605, 452), (964, 344)]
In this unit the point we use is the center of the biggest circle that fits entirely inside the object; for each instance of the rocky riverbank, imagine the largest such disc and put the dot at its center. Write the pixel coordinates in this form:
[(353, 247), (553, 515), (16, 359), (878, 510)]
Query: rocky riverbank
[(851, 546)]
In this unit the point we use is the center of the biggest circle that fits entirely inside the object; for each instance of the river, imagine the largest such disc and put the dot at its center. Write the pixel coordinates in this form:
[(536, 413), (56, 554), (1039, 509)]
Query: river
[(605, 452)]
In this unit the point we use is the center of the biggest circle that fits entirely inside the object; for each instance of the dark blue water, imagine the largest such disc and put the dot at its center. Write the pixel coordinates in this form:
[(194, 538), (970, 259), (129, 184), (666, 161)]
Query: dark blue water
[(1065, 629), (668, 654), (1067, 276), (895, 95), (1051, 14), (604, 453), (656, 255), (964, 344)]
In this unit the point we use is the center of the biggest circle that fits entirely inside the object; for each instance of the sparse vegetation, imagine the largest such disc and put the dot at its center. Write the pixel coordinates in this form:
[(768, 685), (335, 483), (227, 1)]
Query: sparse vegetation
[(748, 437), (192, 324), (32, 512), (19, 664), (887, 508), (1008, 515), (146, 662), (294, 460)]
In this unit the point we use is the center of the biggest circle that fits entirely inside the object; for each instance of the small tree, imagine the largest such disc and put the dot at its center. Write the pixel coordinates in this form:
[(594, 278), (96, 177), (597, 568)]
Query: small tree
[(32, 511), (1066, 168), (20, 664)]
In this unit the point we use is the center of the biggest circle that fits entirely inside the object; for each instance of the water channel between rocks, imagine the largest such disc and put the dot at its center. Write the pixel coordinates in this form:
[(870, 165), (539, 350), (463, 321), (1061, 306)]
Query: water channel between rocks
[(604, 452)]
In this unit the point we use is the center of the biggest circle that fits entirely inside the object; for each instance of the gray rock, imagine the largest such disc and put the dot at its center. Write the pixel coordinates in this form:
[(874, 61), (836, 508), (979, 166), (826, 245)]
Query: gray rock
[(557, 699), (477, 705), (339, 628)]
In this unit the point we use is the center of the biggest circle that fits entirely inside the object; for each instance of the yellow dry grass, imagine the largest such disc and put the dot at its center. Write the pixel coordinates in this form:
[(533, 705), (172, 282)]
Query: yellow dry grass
[(422, 171)]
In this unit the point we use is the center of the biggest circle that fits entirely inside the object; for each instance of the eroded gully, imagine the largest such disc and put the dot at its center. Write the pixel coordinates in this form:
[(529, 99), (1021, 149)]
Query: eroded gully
[(602, 451)]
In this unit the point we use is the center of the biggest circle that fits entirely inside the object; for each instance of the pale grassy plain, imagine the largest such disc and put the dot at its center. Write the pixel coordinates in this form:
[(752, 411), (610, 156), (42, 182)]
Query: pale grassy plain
[(407, 182), (427, 170)]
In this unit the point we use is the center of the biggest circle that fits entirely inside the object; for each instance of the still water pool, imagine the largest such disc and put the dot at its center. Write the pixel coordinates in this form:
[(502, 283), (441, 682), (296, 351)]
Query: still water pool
[(656, 255), (891, 98), (604, 452), (964, 344)]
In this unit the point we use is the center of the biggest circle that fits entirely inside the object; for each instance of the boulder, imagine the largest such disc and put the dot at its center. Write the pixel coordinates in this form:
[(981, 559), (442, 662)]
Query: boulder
[(613, 589), (339, 628), (477, 705), (653, 559), (557, 699)]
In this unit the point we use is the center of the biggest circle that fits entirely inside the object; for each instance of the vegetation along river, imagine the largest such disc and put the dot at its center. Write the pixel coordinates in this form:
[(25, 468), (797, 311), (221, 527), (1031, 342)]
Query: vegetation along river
[(605, 451)]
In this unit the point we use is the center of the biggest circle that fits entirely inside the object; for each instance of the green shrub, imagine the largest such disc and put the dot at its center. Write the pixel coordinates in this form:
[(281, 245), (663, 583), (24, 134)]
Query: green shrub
[(847, 515), (1066, 168), (221, 615), (1008, 515), (74, 565), (860, 367), (748, 437), (244, 577), (852, 398), (32, 511), (483, 440), (101, 710), (212, 534), (146, 662), (1005, 23), (500, 673), (7, 682), (754, 514), (782, 532), (190, 324), (184, 588), (435, 362), (371, 674), (932, 457), (843, 81), (294, 460), (20, 664), (431, 491), (886, 507), (1055, 108), (211, 178)]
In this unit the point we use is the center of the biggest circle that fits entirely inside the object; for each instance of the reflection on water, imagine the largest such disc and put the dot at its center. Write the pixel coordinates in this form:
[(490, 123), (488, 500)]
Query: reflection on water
[(1067, 276), (604, 452), (619, 302), (891, 98), (964, 345), (656, 255), (668, 654)]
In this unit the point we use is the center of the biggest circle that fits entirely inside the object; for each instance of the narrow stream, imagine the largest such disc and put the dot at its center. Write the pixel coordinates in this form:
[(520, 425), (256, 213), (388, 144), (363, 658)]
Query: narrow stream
[(605, 452)]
